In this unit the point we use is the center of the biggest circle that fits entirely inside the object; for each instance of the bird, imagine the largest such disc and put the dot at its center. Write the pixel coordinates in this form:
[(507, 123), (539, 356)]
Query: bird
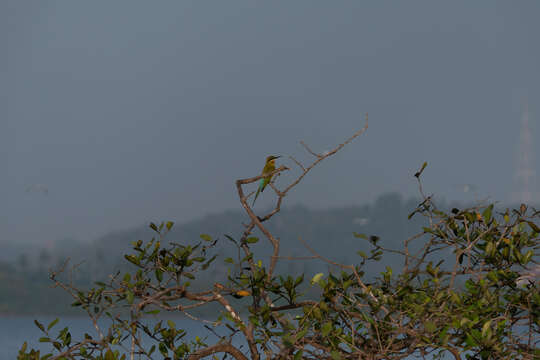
[(269, 166)]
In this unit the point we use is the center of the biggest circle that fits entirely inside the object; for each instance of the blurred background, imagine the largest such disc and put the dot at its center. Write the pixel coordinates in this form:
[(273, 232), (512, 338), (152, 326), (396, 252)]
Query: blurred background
[(115, 114)]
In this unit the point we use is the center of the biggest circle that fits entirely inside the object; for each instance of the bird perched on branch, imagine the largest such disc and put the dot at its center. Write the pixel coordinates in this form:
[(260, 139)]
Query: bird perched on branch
[(269, 166)]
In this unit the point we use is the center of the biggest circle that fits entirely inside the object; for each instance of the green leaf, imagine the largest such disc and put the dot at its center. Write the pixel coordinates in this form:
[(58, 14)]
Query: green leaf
[(362, 254), (229, 260), (39, 325), (154, 227), (317, 278), (490, 249), (206, 237), (252, 240), (129, 297), (159, 275), (486, 329), (469, 340), (132, 259), (359, 236), (419, 172), (152, 312), (487, 213), (54, 322), (169, 225), (171, 324), (527, 257), (326, 328), (298, 355), (163, 349), (335, 355), (430, 326), (109, 355), (44, 339), (301, 334)]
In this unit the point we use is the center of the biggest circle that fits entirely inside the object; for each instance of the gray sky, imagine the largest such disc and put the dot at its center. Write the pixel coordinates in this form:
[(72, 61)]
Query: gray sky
[(131, 111)]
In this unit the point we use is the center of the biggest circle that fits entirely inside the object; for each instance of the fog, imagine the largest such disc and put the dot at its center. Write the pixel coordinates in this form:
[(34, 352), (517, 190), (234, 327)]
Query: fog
[(131, 111)]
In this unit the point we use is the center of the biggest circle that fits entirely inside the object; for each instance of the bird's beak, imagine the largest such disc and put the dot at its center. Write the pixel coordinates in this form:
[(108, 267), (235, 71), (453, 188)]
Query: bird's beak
[(277, 157)]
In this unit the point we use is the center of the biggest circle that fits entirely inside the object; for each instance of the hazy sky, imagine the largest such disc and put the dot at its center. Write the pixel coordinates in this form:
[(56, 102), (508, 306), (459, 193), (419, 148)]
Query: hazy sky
[(131, 111)]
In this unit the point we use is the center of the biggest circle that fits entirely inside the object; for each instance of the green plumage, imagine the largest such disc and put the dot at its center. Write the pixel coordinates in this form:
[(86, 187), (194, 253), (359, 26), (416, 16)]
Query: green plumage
[(269, 166)]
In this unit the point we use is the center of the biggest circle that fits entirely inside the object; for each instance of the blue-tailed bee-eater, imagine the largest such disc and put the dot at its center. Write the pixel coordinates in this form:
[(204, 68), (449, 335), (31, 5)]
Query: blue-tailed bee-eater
[(269, 166)]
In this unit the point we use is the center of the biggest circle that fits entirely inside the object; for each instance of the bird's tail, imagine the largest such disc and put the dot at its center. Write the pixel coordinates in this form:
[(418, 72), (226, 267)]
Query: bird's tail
[(256, 195), (258, 191)]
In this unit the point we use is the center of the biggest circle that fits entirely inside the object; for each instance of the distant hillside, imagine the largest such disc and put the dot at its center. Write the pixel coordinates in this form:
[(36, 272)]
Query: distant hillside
[(328, 231)]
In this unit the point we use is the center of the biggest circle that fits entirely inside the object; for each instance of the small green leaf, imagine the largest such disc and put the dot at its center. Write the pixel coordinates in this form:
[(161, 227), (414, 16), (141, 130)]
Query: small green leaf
[(39, 325), (419, 172), (487, 213), (326, 328), (54, 322), (132, 259), (317, 278), (169, 225), (527, 257), (490, 249), (430, 326), (44, 339), (171, 324), (486, 329), (229, 260), (206, 237), (362, 254), (159, 275), (109, 355), (129, 297), (252, 239), (469, 340), (163, 349), (154, 227)]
